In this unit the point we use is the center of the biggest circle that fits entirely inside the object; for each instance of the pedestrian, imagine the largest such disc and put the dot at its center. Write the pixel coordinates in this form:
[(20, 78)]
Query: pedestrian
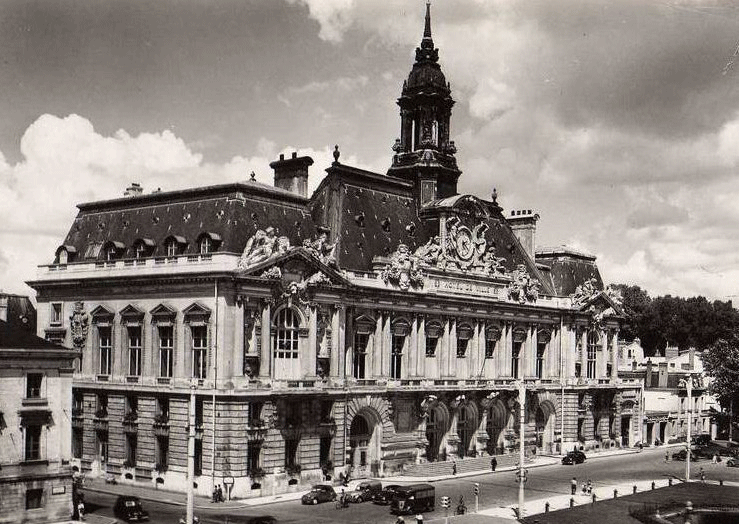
[(81, 510), (419, 519), (715, 459), (590, 486), (493, 463), (667, 456), (573, 485), (220, 493), (215, 494), (703, 476), (454, 467)]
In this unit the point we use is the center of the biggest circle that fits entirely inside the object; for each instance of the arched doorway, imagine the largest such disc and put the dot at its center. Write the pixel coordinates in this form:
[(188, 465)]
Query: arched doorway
[(364, 444), (466, 426), (497, 421), (436, 429), (545, 424)]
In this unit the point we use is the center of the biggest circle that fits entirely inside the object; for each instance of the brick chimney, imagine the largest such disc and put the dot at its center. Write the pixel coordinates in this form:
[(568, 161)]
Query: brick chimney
[(292, 173), (523, 223), (134, 190)]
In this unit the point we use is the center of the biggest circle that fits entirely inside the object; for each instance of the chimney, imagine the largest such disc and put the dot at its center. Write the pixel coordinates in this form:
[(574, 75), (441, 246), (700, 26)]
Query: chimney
[(292, 173), (648, 375), (691, 358), (134, 190), (523, 223)]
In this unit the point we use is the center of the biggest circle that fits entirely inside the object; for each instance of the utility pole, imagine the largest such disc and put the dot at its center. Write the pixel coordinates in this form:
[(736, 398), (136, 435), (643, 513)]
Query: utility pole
[(690, 421), (521, 470), (190, 456)]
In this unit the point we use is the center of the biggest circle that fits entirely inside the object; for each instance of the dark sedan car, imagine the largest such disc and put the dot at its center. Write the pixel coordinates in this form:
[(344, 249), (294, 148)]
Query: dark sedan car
[(574, 457), (386, 495), (319, 493), (129, 508), (683, 455), (733, 462)]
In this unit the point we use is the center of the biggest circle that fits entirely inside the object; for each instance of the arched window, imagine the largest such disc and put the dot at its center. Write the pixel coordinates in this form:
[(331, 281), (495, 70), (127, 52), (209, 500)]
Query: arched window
[(143, 248), (113, 250), (208, 243), (286, 337), (593, 342), (174, 245)]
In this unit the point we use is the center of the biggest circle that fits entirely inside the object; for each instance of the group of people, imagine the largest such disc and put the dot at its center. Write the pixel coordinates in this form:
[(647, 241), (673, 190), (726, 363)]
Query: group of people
[(218, 494), (587, 487)]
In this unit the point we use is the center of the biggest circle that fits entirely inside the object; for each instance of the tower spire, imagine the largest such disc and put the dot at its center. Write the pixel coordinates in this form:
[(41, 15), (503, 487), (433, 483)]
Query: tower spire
[(427, 28)]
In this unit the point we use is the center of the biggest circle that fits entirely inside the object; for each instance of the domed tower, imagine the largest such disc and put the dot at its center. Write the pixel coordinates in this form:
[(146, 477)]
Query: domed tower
[(423, 153)]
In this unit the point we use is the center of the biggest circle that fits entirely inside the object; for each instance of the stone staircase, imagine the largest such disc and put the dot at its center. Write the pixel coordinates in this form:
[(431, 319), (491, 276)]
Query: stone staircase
[(465, 465)]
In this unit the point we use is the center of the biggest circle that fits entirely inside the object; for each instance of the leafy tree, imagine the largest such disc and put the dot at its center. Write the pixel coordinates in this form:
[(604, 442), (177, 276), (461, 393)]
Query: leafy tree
[(721, 363), (635, 302)]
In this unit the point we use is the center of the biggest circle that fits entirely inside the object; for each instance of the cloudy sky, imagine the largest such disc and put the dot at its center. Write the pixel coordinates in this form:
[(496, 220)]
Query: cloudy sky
[(617, 121)]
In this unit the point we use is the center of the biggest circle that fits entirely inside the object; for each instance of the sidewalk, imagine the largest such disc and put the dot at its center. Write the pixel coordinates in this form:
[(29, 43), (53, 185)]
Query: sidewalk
[(180, 499)]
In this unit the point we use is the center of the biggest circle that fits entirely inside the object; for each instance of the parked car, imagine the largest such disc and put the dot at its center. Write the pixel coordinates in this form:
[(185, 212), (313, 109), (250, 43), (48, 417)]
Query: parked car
[(733, 462), (683, 455), (385, 496), (701, 440), (366, 490), (319, 493), (129, 508), (573, 457)]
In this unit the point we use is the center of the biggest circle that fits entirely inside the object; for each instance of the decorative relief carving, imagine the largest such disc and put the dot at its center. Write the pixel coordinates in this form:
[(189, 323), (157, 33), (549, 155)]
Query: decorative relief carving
[(523, 288), (79, 325), (463, 249), (321, 248), (263, 245), (584, 292), (403, 270), (299, 290)]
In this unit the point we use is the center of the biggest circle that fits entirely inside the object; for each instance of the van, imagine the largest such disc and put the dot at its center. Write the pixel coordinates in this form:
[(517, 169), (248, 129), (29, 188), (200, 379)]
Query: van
[(366, 490), (415, 498)]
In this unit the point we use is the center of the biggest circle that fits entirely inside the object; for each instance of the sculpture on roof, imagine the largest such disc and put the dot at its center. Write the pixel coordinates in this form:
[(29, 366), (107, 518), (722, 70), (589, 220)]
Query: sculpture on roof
[(403, 270), (299, 290), (263, 245), (523, 288), (584, 292), (79, 325), (321, 248)]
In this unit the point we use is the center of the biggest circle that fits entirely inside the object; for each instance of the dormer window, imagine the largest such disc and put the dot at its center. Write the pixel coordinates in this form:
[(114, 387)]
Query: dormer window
[(174, 245), (143, 248), (65, 254), (113, 250), (208, 243)]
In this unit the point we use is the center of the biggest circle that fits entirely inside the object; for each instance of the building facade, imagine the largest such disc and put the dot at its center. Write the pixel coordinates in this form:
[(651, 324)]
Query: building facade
[(668, 410), (35, 409), (376, 327)]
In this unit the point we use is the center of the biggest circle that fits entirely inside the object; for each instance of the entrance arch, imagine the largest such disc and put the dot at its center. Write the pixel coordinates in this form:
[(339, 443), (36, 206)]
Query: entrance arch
[(545, 424), (365, 434), (466, 427), (437, 425), (498, 417)]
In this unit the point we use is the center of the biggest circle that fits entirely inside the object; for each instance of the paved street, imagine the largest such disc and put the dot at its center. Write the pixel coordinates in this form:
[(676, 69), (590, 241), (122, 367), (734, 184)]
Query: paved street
[(498, 489)]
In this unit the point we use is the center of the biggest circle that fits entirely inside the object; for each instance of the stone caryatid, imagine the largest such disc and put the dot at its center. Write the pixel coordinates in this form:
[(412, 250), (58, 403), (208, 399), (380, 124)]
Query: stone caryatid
[(523, 288), (79, 325), (263, 245), (403, 270)]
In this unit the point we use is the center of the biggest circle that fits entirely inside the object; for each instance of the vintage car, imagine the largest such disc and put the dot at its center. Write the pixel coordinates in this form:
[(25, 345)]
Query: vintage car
[(366, 490), (574, 457), (319, 493), (129, 508)]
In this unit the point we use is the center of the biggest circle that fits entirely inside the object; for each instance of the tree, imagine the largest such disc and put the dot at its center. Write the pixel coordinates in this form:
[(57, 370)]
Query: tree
[(635, 302), (721, 363)]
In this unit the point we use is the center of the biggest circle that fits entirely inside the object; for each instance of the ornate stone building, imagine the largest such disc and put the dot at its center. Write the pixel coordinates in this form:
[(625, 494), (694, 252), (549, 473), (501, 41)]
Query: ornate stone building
[(378, 325)]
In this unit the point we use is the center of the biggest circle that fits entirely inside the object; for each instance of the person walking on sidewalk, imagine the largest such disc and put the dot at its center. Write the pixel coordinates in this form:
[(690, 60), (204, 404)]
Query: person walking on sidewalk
[(493, 463), (573, 485), (667, 456), (702, 476), (454, 468)]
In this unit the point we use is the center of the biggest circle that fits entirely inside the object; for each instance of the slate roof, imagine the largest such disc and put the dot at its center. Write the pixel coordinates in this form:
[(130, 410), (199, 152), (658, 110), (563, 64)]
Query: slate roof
[(15, 337), (20, 311), (233, 212), (569, 268)]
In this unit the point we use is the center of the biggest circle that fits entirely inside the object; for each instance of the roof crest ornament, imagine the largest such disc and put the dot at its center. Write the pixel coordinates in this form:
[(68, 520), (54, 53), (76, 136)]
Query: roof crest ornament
[(403, 270), (523, 288)]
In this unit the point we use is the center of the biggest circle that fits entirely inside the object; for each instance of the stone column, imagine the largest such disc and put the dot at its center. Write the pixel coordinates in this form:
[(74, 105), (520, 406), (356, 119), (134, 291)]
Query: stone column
[(239, 338), (339, 334), (308, 360), (533, 346), (614, 356), (410, 361), (386, 344), (265, 354), (421, 350)]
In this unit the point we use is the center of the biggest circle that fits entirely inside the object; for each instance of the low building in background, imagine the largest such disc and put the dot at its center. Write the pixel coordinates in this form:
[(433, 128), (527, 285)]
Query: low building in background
[(35, 428), (667, 408), (18, 311)]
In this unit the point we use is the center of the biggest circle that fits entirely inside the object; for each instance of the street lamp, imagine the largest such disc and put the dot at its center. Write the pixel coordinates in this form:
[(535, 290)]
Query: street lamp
[(688, 383), (521, 471), (190, 456)]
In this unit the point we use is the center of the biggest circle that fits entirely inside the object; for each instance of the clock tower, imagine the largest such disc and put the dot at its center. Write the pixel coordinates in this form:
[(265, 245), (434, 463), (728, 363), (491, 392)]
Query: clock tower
[(424, 154)]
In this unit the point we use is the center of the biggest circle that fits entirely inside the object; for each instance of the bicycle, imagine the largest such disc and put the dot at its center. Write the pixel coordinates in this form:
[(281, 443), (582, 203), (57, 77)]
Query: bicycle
[(342, 503)]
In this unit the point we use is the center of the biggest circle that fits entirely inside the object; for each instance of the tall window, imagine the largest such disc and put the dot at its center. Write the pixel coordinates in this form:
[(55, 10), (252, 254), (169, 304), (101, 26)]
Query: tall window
[(171, 247), (131, 446), (253, 456), (77, 434), (464, 334), (166, 351), (199, 351), (33, 385), (34, 498), (206, 245), (396, 357), (134, 350), (540, 349), (56, 314), (433, 333), (33, 442), (105, 349), (286, 339), (291, 452), (198, 457), (102, 445), (593, 341), (361, 340), (515, 357), (162, 453)]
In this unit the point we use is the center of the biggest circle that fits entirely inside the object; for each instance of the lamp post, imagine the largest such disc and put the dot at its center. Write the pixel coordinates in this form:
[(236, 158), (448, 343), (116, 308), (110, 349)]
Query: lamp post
[(688, 383), (190, 456), (521, 470)]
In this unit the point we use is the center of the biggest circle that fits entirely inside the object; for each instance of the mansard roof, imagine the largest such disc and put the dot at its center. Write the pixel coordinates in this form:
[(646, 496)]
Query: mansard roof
[(569, 268)]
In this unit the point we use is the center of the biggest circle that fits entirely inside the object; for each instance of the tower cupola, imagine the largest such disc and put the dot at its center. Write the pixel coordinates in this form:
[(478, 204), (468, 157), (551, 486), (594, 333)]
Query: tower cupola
[(424, 152)]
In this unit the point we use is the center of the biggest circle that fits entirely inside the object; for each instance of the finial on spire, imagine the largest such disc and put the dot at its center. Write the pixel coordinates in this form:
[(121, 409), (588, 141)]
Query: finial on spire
[(427, 28), (336, 154)]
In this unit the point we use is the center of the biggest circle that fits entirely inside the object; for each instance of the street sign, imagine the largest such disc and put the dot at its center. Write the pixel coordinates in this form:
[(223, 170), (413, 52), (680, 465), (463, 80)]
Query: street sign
[(444, 502)]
